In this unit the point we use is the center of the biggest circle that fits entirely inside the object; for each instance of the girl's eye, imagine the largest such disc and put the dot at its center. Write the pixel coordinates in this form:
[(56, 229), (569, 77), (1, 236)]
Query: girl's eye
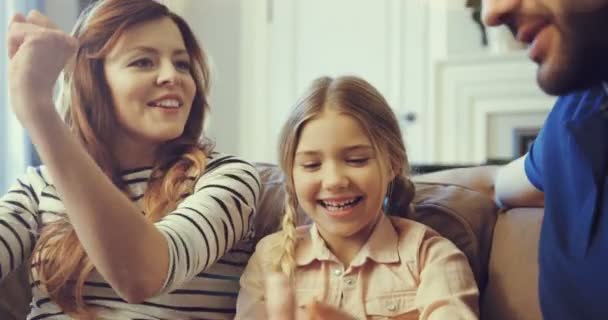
[(310, 165), (183, 65), (142, 63), (358, 161)]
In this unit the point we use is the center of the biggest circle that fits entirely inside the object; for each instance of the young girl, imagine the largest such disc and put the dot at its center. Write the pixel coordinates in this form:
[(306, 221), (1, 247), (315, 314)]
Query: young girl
[(346, 166), (133, 216)]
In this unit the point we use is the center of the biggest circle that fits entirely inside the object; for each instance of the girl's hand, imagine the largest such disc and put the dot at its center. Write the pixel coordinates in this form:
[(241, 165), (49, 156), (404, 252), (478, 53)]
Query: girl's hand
[(280, 304), (322, 311), (38, 51)]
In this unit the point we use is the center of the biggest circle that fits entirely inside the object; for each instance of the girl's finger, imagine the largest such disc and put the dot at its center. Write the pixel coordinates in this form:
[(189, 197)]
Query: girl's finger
[(322, 311)]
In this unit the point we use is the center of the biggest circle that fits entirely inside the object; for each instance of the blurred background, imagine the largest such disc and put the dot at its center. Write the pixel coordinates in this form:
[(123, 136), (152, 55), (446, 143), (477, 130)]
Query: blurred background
[(464, 94)]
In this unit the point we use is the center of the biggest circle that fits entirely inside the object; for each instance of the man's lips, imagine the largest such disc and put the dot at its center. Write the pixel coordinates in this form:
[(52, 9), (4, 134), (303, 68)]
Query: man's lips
[(528, 32)]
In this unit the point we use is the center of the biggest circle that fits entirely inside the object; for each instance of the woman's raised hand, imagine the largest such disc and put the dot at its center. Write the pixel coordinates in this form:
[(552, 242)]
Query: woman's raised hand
[(38, 51)]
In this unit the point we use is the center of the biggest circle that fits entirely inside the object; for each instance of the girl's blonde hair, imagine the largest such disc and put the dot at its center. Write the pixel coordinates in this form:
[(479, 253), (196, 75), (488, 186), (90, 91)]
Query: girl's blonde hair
[(359, 99), (59, 261)]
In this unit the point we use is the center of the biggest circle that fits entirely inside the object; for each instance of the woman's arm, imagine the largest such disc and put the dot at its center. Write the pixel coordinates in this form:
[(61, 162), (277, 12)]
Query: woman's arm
[(117, 238), (447, 288), (211, 221), (19, 221), (126, 248)]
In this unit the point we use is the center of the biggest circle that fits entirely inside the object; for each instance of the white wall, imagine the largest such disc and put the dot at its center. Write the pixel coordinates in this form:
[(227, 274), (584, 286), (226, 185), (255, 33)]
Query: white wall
[(217, 25), (464, 35), (441, 31), (62, 12), (15, 150)]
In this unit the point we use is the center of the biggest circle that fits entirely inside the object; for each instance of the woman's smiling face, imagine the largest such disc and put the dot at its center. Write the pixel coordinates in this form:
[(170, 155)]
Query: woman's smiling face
[(149, 75)]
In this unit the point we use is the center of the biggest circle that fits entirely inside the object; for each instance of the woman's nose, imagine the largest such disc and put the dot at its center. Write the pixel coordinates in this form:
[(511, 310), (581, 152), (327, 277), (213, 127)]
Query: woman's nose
[(168, 75)]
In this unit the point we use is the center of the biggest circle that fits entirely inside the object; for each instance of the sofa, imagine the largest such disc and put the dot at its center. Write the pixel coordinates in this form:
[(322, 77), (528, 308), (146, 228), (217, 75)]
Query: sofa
[(500, 245)]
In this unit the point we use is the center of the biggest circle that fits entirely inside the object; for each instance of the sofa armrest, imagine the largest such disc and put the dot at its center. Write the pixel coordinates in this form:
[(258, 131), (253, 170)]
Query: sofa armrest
[(512, 290), (478, 178)]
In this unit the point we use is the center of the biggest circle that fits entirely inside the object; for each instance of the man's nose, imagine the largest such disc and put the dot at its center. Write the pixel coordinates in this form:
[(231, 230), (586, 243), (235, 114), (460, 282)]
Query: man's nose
[(497, 12)]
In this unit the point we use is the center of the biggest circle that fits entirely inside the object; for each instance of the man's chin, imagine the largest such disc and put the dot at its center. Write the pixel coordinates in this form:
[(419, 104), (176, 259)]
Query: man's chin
[(562, 82)]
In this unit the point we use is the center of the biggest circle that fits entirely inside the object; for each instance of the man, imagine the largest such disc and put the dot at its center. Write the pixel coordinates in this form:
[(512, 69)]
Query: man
[(568, 162)]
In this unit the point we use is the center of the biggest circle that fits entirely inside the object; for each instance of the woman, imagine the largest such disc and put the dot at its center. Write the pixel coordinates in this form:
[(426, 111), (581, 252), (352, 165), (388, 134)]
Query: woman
[(132, 214)]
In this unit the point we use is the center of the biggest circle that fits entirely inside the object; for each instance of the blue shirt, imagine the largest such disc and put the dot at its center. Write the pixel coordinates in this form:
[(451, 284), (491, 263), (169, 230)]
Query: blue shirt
[(568, 161)]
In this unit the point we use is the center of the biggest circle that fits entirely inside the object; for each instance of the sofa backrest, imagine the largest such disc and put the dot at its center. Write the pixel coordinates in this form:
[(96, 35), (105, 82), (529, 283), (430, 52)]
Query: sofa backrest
[(464, 216), (15, 295)]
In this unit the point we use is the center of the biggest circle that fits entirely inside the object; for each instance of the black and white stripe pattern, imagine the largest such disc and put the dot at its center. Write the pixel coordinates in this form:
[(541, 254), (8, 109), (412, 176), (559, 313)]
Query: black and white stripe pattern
[(209, 237)]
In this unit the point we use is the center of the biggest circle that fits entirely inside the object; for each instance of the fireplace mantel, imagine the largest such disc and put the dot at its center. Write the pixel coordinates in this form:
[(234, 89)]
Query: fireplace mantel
[(471, 92)]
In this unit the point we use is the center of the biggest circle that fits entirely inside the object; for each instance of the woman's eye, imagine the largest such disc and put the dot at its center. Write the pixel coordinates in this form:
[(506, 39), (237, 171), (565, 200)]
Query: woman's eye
[(183, 65), (142, 63)]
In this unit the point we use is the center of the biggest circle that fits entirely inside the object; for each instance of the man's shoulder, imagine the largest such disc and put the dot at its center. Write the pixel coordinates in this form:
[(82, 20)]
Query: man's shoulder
[(580, 104)]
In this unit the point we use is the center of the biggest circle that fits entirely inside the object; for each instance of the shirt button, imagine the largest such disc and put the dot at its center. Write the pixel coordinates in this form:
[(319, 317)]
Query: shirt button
[(337, 272), (391, 308)]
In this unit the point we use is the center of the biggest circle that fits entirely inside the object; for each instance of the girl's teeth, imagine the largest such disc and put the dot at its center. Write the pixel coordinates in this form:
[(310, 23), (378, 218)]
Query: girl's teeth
[(339, 205), (168, 103)]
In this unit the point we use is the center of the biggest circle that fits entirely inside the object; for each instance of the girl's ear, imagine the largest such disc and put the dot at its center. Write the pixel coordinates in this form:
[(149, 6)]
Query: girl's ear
[(392, 173)]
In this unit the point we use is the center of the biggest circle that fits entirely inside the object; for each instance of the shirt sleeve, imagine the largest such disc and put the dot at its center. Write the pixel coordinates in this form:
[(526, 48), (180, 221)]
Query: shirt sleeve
[(447, 288), (19, 221), (533, 162), (211, 221)]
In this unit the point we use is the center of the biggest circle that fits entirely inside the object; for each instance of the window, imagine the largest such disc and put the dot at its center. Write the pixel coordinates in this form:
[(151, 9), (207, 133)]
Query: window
[(15, 149)]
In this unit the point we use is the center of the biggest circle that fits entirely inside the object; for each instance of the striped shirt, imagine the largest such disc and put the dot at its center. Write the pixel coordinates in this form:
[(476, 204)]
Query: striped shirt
[(209, 237)]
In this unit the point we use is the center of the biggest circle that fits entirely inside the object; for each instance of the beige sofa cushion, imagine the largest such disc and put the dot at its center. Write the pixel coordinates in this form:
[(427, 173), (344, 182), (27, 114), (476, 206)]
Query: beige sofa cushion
[(512, 291), (464, 216)]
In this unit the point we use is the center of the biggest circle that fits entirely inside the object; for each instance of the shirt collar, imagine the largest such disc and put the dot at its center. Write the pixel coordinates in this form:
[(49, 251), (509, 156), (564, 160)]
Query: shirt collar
[(382, 246)]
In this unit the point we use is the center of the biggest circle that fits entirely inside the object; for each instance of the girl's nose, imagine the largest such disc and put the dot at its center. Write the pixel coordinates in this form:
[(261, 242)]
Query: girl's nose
[(335, 179)]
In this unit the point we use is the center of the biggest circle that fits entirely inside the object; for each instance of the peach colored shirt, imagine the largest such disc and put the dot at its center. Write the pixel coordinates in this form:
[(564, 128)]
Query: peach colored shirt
[(404, 271)]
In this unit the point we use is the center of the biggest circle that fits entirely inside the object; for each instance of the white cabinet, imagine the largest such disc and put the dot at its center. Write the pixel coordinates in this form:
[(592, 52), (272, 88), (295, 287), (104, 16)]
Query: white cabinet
[(407, 49), (292, 42)]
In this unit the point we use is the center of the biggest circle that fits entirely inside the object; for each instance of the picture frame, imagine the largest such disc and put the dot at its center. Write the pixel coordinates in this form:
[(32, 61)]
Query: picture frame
[(522, 140)]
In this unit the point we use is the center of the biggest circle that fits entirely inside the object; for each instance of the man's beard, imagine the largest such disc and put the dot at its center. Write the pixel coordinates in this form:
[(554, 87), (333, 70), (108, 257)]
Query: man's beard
[(577, 67), (582, 59)]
